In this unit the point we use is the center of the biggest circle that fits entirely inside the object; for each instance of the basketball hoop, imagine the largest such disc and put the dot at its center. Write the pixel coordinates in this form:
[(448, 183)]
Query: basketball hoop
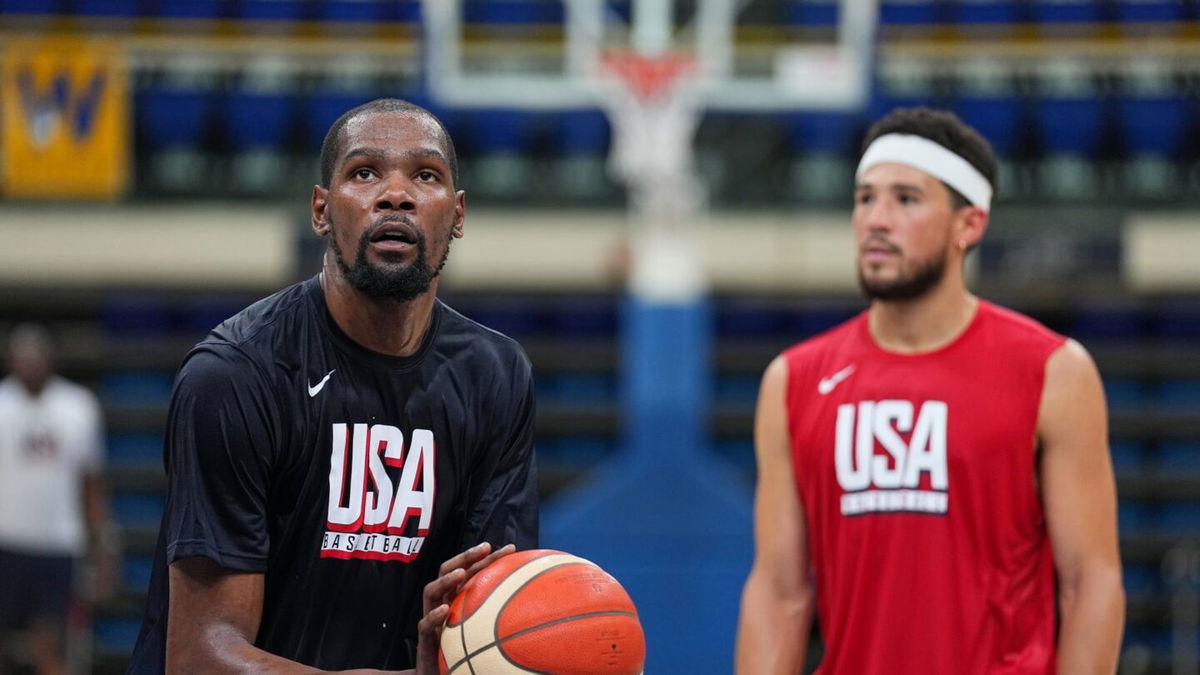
[(648, 77), (654, 105)]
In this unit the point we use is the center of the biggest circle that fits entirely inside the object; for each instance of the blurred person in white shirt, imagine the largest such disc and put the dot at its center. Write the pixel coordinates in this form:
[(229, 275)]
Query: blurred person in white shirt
[(53, 499)]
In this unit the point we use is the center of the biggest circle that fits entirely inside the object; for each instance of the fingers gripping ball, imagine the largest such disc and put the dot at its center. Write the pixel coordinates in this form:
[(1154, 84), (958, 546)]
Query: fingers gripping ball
[(542, 611)]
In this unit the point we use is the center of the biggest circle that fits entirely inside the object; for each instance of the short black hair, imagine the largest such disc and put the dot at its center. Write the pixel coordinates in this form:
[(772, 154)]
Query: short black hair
[(331, 147), (947, 130)]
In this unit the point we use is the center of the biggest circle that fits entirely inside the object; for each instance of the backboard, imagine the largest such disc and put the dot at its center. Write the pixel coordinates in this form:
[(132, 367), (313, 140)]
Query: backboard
[(752, 55)]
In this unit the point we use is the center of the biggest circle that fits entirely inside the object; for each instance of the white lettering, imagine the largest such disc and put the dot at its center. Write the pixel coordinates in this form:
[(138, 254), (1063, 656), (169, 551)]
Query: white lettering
[(927, 452), (887, 414), (379, 501), (410, 498), (878, 482), (349, 492)]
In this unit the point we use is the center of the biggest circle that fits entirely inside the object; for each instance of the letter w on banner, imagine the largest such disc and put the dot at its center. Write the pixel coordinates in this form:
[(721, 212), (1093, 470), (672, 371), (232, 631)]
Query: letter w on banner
[(64, 118)]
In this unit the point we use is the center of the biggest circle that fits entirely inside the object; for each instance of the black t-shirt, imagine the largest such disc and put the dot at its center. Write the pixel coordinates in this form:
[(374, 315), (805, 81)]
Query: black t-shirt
[(345, 476)]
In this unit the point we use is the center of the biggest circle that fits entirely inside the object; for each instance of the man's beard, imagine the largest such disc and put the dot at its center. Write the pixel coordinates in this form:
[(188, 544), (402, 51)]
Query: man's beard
[(915, 285), (388, 281)]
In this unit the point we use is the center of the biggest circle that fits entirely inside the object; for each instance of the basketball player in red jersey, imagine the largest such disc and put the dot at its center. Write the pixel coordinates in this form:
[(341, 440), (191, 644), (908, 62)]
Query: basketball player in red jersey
[(934, 476)]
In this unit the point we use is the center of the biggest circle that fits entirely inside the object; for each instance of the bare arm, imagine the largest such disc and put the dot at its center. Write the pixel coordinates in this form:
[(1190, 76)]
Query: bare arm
[(1079, 496), (214, 615), (777, 602)]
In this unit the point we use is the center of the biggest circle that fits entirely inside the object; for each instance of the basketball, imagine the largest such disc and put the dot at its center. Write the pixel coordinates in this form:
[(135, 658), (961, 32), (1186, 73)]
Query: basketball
[(542, 611)]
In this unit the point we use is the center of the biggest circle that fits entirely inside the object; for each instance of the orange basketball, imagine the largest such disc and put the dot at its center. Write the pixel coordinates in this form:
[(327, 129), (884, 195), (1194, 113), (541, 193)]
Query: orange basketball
[(542, 611)]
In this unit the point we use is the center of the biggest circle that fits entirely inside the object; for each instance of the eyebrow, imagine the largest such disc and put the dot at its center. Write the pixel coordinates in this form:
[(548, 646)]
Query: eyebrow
[(379, 153)]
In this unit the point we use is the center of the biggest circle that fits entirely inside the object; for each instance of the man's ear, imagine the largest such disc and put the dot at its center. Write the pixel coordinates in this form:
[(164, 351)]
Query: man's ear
[(320, 219), (970, 226), (460, 214)]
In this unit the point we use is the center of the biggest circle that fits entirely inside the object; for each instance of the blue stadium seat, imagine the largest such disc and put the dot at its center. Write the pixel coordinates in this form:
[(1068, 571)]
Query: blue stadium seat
[(1124, 393), (908, 12), (807, 322), (1108, 320), (172, 119), (823, 150), (513, 11), (1135, 11), (833, 133), (967, 12), (576, 389), (137, 387), (501, 141), (511, 317), (255, 120), (1177, 457), (1067, 11), (108, 8), (134, 450), (998, 118), (137, 510), (257, 123), (272, 10), (1179, 394), (351, 10), (1070, 125), (580, 141), (1178, 319), (812, 12), (1141, 579), (1128, 457), (1153, 117), (29, 6), (321, 109), (135, 571), (1147, 638), (116, 635), (189, 9), (584, 318), (1180, 519), (173, 115), (136, 314), (738, 451), (1135, 518), (749, 319), (737, 389), (574, 450)]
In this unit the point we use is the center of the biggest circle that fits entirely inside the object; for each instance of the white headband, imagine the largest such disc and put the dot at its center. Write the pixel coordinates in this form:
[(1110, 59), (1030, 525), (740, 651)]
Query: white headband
[(932, 158)]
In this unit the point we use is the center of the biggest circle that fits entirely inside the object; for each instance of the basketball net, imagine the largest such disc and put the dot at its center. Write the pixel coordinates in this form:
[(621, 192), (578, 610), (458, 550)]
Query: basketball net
[(654, 105)]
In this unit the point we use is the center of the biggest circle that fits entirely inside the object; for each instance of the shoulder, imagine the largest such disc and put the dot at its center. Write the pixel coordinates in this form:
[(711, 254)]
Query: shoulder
[(1071, 366), (67, 393), (214, 366), (260, 322), (481, 346)]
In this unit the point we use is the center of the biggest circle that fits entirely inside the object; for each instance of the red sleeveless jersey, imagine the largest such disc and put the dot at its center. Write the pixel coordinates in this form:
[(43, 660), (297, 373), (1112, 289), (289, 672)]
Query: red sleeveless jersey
[(926, 536)]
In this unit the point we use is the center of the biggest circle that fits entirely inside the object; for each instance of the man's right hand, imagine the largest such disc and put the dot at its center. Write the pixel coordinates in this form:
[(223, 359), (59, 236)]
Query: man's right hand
[(452, 576)]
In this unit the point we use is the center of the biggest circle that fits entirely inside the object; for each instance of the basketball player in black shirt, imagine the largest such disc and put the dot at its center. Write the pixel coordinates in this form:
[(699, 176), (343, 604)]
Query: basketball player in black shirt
[(331, 445)]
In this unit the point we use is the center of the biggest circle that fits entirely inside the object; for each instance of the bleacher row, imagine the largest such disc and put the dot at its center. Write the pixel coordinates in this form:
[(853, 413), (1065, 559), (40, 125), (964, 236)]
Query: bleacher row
[(1139, 129), (892, 12), (127, 347)]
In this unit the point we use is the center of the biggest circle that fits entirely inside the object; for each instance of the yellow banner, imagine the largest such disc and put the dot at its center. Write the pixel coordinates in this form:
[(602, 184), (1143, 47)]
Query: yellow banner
[(64, 119)]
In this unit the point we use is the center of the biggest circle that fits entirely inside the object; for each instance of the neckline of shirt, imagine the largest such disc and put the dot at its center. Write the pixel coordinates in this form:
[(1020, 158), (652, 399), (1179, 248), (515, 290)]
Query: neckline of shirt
[(376, 359), (981, 309)]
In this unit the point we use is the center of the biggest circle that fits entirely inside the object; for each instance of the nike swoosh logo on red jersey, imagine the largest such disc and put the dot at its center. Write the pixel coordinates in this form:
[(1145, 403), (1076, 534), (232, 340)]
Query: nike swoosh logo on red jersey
[(828, 384), (314, 389)]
